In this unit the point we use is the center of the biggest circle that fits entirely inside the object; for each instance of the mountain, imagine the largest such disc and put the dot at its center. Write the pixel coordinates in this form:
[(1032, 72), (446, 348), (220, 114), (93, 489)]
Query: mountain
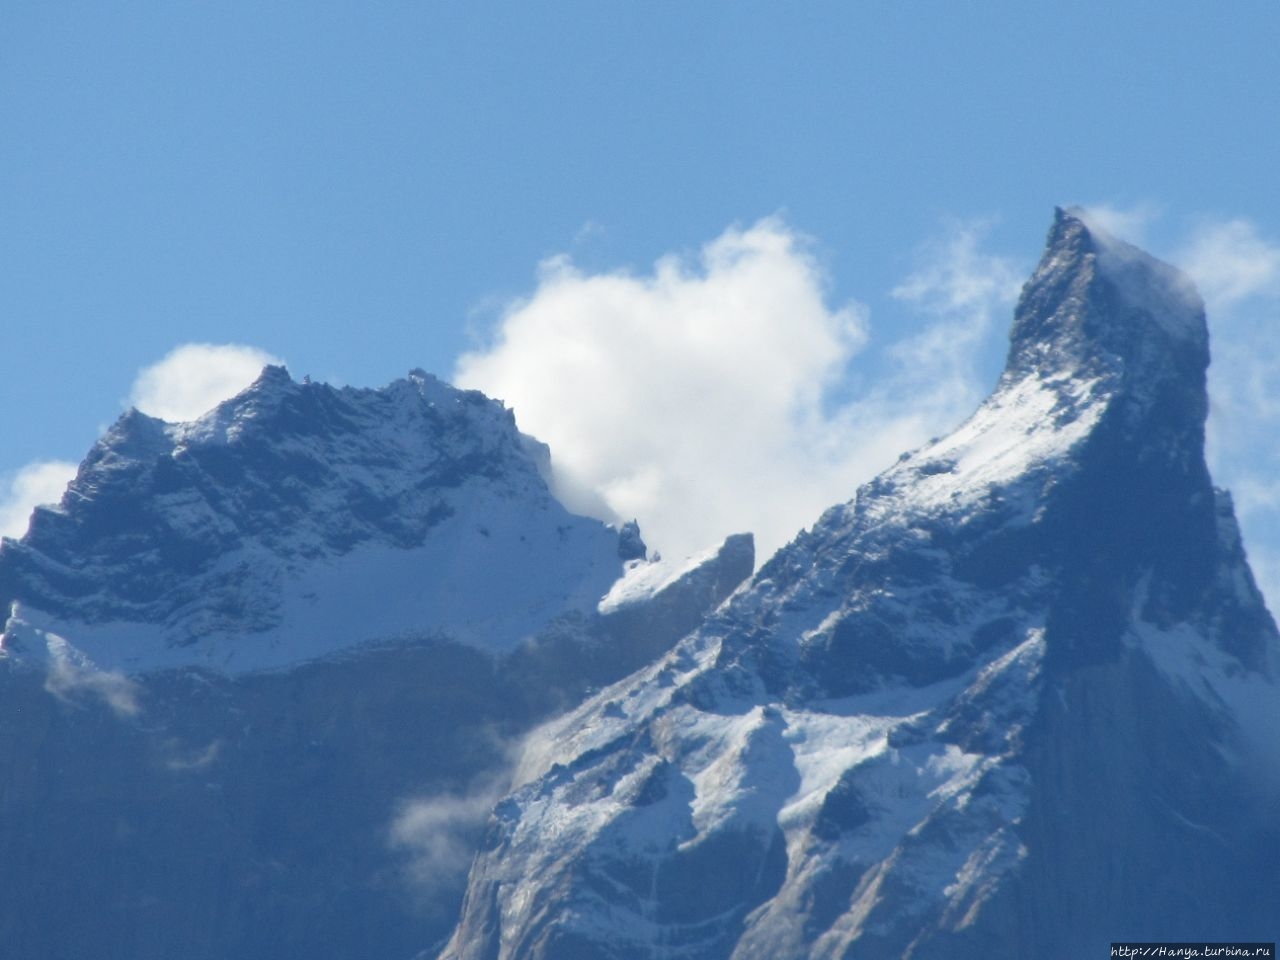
[(273, 528), (1017, 698), (248, 659)]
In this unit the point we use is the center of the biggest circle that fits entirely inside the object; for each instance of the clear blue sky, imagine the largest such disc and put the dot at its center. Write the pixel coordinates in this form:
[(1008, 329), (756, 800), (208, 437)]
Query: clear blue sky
[(350, 185)]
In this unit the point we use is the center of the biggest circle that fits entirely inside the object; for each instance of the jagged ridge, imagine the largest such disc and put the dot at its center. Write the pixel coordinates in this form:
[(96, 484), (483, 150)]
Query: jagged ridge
[(275, 527)]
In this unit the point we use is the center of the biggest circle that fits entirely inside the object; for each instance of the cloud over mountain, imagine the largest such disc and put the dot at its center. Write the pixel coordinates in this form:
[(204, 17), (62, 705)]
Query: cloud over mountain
[(195, 377), (702, 397)]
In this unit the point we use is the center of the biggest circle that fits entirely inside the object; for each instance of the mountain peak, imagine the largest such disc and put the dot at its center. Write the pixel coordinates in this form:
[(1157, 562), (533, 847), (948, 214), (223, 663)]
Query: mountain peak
[(1100, 413), (1098, 306), (273, 373), (287, 512), (1105, 382), (932, 724)]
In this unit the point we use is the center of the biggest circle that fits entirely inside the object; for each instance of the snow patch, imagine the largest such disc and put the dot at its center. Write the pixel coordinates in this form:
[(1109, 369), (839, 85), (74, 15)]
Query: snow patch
[(1033, 421), (491, 575), (645, 579)]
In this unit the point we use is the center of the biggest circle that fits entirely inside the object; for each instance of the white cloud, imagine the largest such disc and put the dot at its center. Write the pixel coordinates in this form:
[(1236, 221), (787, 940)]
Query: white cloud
[(36, 483), (1231, 262), (195, 377), (188, 381), (700, 398), (1126, 223)]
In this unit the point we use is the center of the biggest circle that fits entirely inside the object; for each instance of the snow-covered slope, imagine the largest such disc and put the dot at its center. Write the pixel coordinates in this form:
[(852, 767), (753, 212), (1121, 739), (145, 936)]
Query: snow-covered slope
[(299, 520), (1017, 698)]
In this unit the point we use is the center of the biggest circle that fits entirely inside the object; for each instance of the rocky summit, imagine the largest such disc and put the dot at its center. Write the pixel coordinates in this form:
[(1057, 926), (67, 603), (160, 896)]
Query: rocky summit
[(1017, 698)]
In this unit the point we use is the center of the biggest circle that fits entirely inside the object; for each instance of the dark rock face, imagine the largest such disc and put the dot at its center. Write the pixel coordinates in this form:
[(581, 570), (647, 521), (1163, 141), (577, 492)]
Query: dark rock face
[(1017, 698), (324, 795)]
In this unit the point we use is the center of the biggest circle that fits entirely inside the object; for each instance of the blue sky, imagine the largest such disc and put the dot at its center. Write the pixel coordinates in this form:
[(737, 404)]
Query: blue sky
[(363, 188)]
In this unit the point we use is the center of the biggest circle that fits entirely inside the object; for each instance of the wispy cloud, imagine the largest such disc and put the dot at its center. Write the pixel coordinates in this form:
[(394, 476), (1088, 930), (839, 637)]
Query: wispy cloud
[(957, 279), (37, 483), (185, 759), (439, 835), (1231, 262), (932, 378), (1237, 271), (1126, 223), (959, 288), (70, 676), (195, 377), (701, 397)]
